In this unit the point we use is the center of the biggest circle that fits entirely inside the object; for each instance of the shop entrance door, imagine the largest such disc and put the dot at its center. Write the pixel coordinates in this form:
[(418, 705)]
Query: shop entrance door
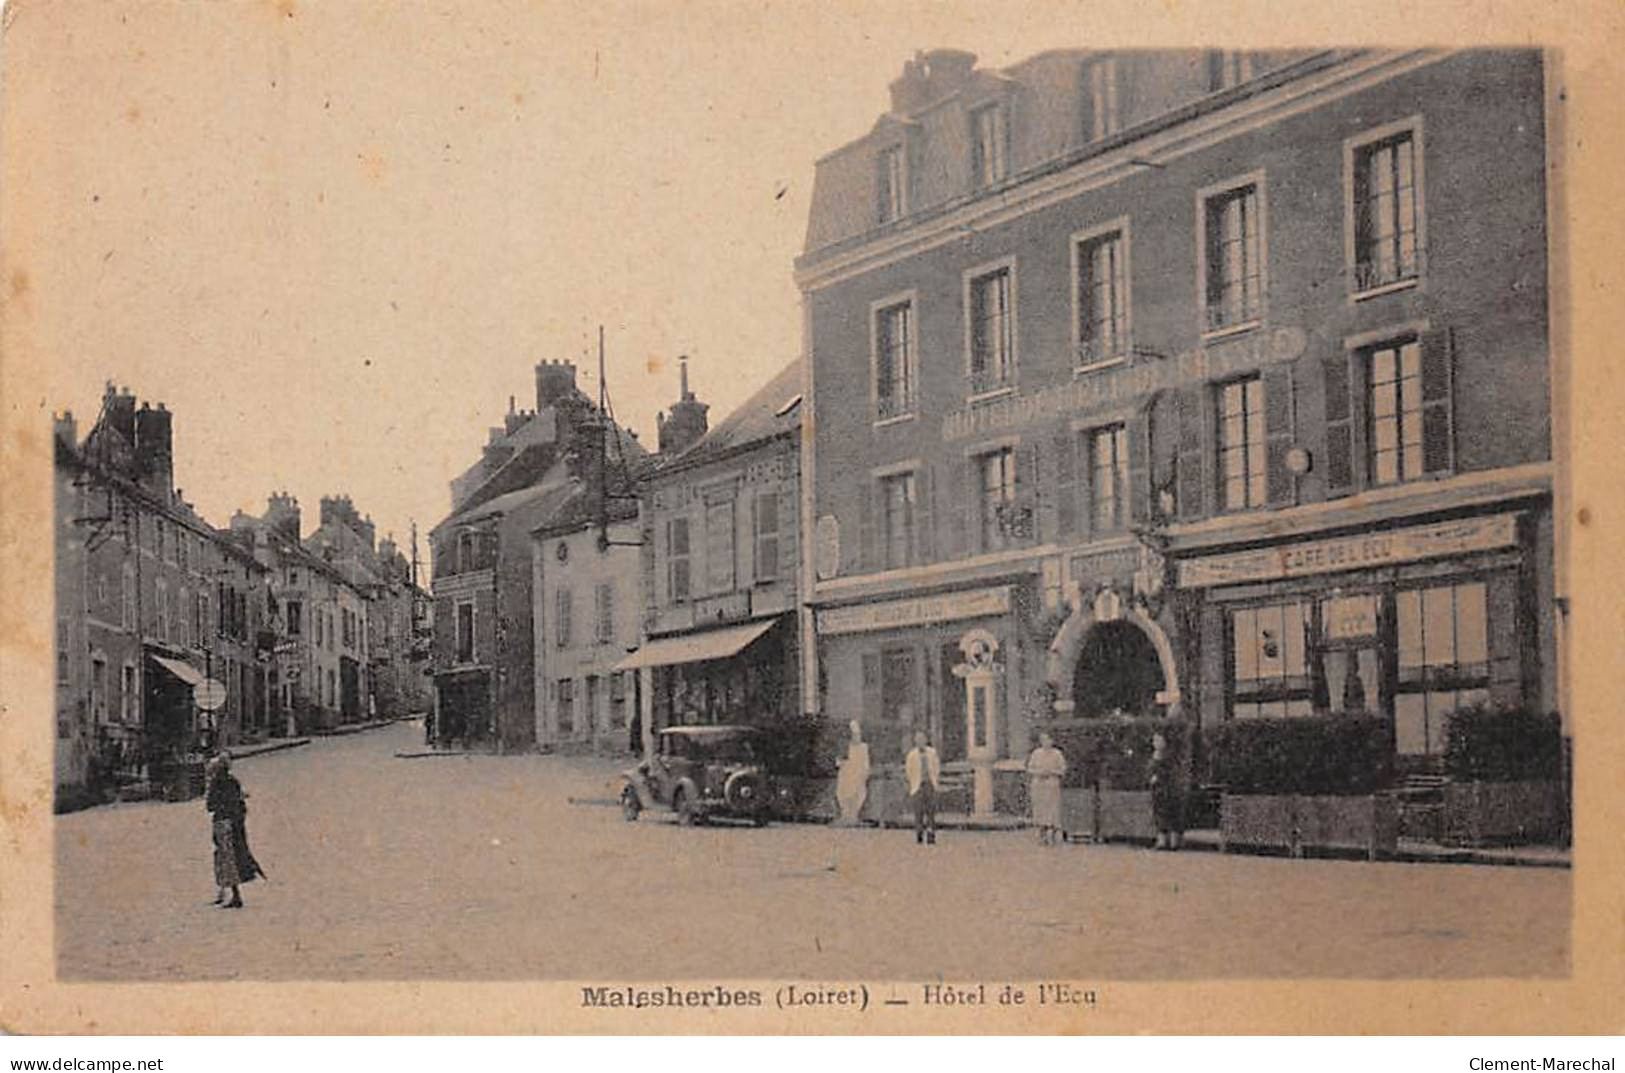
[(1118, 672)]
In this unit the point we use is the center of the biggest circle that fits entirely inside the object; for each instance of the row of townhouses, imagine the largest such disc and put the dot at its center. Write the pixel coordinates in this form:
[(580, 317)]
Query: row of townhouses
[(1213, 385), (153, 604)]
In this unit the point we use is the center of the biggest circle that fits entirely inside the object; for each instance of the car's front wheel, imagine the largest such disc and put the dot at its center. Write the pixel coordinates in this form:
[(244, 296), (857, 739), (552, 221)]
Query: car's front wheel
[(683, 805), (630, 804)]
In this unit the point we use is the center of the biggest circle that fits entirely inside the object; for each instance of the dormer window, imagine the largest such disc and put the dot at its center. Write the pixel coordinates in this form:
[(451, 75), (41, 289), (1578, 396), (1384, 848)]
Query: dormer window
[(891, 202), (989, 145)]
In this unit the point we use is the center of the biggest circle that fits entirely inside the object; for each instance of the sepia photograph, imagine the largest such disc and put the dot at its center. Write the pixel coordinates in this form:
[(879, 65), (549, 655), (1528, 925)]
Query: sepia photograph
[(878, 520)]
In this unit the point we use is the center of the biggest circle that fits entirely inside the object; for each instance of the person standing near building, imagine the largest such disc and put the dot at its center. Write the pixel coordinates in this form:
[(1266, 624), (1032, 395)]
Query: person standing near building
[(1045, 766), (924, 772), (1167, 794)]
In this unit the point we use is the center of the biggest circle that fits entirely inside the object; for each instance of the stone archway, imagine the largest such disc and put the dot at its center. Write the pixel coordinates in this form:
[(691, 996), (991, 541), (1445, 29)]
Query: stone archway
[(1107, 607)]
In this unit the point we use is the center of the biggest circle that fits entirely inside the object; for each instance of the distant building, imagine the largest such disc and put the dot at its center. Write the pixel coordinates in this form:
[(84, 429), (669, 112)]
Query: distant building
[(483, 658), (152, 601), (720, 564), (1210, 384)]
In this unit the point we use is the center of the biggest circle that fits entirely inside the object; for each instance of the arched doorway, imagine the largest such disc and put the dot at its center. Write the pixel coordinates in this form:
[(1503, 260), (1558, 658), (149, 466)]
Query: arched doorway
[(1117, 669)]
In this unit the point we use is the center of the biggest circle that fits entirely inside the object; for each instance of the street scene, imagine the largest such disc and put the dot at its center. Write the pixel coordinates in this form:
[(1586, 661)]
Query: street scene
[(1136, 540), (511, 880)]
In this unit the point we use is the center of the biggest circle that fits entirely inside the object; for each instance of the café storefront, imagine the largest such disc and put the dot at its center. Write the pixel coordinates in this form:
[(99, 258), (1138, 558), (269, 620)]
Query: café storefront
[(1408, 623)]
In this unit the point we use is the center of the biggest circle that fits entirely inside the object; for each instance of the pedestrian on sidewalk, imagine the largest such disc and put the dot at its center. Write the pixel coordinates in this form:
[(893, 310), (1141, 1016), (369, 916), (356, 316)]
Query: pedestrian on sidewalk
[(852, 782), (234, 865), (1167, 794), (1045, 766), (924, 772)]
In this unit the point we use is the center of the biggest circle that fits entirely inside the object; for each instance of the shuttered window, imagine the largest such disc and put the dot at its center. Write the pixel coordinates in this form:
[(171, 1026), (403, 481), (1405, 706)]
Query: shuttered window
[(765, 524), (1241, 444)]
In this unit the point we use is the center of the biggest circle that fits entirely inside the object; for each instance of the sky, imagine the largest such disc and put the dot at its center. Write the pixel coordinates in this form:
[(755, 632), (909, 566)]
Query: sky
[(334, 238)]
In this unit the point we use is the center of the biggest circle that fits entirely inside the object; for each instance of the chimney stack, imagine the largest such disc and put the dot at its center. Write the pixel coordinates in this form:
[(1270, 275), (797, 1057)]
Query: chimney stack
[(686, 422), (155, 451), (554, 381)]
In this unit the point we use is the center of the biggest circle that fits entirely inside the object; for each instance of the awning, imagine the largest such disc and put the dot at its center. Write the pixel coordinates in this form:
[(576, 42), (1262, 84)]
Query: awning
[(695, 647), (184, 671)]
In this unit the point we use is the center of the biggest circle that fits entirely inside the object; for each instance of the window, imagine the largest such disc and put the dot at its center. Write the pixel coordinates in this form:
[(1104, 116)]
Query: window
[(183, 544), (1269, 650), (1395, 407), (567, 705), (98, 688), (589, 711), (1226, 68), (332, 686), (161, 598), (894, 360), (891, 203), (465, 633), (991, 329), (719, 546), (1108, 477), (296, 617), (63, 655), (677, 559), (897, 495), (1385, 210), (617, 699), (898, 689), (332, 641), (1241, 443), (127, 598), (1232, 261), (766, 524), (183, 616), (127, 696), (1443, 661), (1100, 267), (465, 551), (996, 487), (1100, 119), (605, 599), (318, 618), (988, 145), (563, 600)]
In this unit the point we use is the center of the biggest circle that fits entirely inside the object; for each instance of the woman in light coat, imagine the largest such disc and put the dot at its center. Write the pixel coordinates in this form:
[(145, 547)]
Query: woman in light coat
[(1045, 767), (852, 784)]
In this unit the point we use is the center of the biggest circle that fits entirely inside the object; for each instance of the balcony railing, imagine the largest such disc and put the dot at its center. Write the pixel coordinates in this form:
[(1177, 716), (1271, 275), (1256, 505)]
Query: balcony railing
[(988, 380), (1100, 350), (1372, 275), (1232, 311), (894, 404)]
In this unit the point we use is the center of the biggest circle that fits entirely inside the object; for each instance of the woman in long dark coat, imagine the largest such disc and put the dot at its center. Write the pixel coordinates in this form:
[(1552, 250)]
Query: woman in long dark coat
[(234, 865), (1167, 793)]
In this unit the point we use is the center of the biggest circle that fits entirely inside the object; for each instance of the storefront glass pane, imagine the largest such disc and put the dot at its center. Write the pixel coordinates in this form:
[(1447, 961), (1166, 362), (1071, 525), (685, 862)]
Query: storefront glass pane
[(1472, 626), (1410, 723), (1438, 628)]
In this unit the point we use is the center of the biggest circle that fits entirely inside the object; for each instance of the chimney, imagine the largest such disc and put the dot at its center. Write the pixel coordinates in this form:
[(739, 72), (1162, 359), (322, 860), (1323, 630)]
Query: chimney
[(686, 422), (282, 515), (66, 428), (554, 380), (929, 77), (155, 451), (119, 406)]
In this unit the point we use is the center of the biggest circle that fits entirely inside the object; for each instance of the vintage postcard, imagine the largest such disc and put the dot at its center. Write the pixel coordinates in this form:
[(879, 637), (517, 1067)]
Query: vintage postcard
[(864, 518)]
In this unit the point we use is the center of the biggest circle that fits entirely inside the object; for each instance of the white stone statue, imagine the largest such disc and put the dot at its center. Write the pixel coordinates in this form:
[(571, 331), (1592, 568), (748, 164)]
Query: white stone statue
[(852, 784)]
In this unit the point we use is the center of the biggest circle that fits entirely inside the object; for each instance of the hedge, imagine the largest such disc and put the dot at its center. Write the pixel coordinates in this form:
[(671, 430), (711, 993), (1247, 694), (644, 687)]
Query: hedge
[(1115, 752), (1503, 745), (1334, 754)]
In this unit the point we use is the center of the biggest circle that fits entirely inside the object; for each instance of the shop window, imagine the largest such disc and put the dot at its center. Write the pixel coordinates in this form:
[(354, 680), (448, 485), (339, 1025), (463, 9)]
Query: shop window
[(1242, 469), (996, 496), (1347, 665), (894, 359), (677, 559), (897, 494), (719, 546), (1108, 477), (991, 329), (1269, 650), (1232, 262), (1443, 636)]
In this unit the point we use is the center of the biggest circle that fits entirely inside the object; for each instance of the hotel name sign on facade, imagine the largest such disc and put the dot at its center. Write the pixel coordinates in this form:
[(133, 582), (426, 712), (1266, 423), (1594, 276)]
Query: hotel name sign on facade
[(1113, 387)]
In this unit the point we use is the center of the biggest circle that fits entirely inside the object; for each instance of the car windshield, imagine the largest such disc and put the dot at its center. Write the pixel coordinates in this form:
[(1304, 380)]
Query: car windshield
[(740, 750)]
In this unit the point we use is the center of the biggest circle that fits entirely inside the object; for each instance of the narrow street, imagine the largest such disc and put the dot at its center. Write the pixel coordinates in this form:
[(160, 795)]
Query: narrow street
[(481, 868)]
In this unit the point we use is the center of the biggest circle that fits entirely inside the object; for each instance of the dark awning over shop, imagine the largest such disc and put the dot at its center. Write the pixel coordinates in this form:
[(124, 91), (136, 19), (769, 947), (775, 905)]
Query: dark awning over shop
[(180, 669), (695, 647)]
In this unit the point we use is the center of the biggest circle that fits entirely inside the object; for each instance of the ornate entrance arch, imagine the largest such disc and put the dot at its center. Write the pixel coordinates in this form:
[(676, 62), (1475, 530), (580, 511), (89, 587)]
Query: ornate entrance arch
[(1106, 606)]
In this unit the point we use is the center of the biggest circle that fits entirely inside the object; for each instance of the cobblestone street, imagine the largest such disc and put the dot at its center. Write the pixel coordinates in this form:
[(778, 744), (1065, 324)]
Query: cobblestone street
[(482, 868)]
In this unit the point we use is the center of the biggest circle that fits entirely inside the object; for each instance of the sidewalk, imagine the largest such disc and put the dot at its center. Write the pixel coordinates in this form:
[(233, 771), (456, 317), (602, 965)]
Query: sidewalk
[(1419, 852)]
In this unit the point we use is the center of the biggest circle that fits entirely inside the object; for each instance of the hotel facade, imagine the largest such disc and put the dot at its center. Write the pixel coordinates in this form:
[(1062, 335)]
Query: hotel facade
[(1212, 385)]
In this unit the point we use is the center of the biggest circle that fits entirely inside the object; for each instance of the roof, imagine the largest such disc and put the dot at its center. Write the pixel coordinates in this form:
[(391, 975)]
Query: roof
[(581, 509), (509, 502), (775, 410)]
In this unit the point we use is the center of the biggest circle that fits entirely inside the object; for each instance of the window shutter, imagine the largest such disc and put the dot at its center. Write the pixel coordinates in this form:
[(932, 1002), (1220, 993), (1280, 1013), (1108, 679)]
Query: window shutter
[(1280, 486), (957, 508), (1437, 371), (1139, 469), (1066, 482), (1026, 520), (1191, 481), (924, 538), (1339, 464), (871, 686), (868, 554)]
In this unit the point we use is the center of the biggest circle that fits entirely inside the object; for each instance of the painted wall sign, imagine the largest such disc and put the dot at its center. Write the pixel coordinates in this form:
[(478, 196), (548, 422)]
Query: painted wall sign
[(861, 618), (1351, 553), (1116, 386)]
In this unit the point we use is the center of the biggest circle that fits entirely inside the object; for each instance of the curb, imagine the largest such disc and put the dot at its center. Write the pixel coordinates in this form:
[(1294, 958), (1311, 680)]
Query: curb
[(246, 751)]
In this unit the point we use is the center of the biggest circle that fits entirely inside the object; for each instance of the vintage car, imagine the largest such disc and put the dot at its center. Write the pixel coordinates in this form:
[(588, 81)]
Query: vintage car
[(703, 771)]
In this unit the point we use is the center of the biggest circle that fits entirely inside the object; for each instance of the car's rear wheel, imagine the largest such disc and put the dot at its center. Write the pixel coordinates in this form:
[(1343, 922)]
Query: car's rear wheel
[(683, 805), (630, 804)]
